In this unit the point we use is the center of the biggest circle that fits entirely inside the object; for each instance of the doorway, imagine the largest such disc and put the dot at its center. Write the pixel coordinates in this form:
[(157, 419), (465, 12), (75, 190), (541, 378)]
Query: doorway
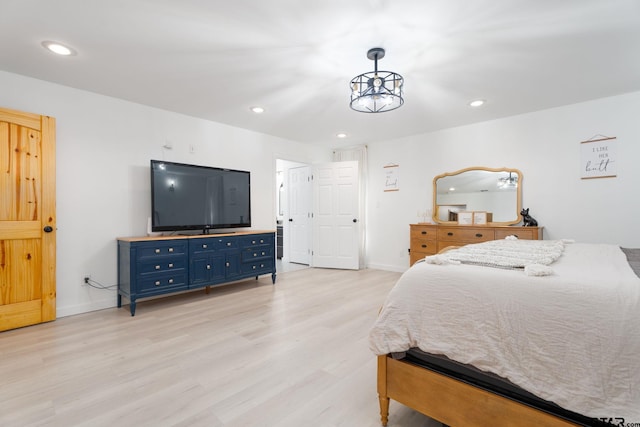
[(293, 245), (318, 215)]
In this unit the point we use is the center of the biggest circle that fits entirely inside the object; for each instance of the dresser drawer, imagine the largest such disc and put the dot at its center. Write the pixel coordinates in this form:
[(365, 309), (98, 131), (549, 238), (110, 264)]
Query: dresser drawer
[(465, 235), (162, 264), (417, 256), (257, 253), (424, 232), (205, 245), (259, 267), (259, 240), (163, 283), (520, 233), (161, 248), (428, 247)]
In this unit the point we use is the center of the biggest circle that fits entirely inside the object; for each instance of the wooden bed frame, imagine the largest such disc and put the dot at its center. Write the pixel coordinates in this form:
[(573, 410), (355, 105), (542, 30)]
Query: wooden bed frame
[(453, 402)]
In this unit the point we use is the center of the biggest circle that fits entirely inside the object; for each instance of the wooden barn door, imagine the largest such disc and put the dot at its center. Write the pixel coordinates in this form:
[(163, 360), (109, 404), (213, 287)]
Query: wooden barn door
[(27, 219)]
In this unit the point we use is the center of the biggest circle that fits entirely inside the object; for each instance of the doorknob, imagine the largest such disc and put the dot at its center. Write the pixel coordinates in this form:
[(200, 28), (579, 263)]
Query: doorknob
[(290, 219), (355, 220), (48, 229)]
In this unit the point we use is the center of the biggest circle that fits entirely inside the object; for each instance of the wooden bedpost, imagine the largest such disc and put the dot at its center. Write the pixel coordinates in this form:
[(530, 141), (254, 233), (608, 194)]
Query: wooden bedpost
[(382, 390)]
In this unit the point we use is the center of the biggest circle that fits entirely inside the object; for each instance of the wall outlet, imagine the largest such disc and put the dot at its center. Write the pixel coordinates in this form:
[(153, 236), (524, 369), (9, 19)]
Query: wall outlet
[(85, 279)]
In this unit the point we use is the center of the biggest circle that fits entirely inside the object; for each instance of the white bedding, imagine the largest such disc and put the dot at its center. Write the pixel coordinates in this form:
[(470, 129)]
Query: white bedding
[(572, 337)]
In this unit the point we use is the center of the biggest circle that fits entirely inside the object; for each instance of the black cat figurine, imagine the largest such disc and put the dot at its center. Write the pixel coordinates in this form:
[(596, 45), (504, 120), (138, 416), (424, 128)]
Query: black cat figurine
[(528, 220)]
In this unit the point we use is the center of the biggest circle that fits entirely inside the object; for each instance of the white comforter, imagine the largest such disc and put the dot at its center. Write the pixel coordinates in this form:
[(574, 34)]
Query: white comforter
[(572, 337)]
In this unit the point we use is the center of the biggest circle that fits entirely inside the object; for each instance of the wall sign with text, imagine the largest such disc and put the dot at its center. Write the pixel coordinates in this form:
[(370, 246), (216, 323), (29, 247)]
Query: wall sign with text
[(391, 179), (598, 158)]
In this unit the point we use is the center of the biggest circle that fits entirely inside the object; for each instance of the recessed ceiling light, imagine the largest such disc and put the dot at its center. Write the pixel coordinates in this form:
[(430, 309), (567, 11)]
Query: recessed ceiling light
[(476, 103), (59, 48), (341, 135), (257, 110)]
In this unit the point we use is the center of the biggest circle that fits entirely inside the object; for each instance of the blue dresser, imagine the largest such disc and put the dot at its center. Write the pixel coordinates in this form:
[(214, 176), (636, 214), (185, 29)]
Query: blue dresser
[(152, 266)]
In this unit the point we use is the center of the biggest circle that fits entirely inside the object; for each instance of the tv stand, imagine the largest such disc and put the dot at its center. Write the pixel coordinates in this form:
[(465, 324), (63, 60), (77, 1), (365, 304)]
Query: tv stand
[(153, 266)]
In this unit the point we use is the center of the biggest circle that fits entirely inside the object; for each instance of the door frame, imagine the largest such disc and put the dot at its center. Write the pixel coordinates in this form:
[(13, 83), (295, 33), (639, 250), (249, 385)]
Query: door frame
[(288, 164)]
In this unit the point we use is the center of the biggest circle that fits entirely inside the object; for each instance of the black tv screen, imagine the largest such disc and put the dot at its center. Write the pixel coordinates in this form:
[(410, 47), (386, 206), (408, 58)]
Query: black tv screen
[(190, 197)]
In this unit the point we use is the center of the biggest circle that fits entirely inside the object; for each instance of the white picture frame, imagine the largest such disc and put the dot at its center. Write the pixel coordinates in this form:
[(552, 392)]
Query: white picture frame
[(465, 218), (480, 218)]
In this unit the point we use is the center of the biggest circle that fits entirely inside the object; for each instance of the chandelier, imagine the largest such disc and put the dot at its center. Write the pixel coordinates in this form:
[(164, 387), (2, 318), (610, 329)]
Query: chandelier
[(510, 182), (376, 91)]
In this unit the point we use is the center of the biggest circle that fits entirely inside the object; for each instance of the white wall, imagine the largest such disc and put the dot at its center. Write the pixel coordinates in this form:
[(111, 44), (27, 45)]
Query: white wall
[(103, 150), (545, 146), (104, 146)]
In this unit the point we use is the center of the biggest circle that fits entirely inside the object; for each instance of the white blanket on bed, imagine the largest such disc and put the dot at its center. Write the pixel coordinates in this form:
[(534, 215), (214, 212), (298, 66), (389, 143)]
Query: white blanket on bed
[(572, 337), (503, 253)]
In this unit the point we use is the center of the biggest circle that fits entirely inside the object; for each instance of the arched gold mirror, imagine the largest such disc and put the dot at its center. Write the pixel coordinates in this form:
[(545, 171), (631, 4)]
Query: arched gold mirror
[(498, 192)]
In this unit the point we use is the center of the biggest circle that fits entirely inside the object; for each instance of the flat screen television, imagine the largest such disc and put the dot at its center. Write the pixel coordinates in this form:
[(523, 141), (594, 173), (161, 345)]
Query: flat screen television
[(191, 197)]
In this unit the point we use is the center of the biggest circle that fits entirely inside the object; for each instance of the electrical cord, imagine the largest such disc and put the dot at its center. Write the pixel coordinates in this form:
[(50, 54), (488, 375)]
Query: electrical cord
[(97, 285)]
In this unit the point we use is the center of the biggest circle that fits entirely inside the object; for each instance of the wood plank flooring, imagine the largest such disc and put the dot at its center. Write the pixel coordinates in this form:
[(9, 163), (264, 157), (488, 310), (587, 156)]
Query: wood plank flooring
[(247, 354)]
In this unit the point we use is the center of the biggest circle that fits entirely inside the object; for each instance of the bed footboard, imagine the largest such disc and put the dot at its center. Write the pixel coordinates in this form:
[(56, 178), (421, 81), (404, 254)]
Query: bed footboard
[(453, 402)]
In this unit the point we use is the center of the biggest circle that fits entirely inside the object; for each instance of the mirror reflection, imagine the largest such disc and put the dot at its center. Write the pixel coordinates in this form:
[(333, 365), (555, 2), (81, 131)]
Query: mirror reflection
[(498, 192)]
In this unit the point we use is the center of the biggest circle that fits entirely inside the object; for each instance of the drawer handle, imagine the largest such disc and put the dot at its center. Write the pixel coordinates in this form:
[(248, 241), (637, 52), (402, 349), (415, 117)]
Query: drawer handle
[(157, 251), (424, 246), (261, 265), (263, 253), (228, 243), (170, 281), (478, 235), (254, 267), (261, 241), (208, 267), (255, 254), (449, 234), (424, 232), (204, 246), (253, 242), (157, 267), (227, 264), (170, 265), (157, 283), (170, 249)]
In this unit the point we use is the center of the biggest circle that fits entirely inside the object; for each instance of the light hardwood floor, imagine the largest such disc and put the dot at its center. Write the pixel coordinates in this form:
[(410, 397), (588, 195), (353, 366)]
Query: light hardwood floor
[(247, 354)]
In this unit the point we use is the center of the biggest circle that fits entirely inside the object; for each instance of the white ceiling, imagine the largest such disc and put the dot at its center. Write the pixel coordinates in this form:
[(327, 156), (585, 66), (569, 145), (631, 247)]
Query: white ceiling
[(214, 59)]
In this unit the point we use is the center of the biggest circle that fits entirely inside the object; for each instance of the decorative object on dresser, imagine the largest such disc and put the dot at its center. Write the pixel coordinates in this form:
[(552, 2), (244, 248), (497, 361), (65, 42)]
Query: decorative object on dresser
[(528, 220), (153, 266), (429, 239)]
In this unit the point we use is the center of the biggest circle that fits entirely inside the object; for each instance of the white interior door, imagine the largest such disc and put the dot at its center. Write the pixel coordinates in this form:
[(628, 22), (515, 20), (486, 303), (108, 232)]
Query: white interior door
[(336, 229), (299, 220)]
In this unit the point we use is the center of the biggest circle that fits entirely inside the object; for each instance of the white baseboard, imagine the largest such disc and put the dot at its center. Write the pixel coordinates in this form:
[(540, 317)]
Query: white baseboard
[(388, 267), (85, 308)]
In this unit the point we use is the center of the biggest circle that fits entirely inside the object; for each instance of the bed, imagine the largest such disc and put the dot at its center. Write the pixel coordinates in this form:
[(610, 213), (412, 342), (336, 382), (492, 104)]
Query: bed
[(549, 336)]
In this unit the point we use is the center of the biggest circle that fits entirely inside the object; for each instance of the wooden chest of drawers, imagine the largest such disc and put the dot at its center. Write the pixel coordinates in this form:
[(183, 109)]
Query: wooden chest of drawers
[(424, 241), (428, 239)]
